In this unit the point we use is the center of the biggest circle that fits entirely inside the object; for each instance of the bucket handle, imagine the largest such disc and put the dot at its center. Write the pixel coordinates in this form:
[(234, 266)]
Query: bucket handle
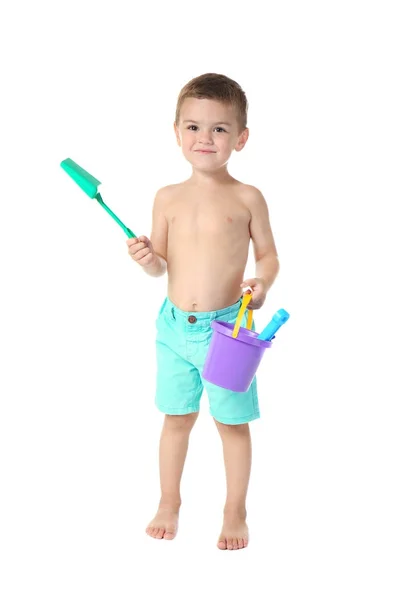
[(246, 299)]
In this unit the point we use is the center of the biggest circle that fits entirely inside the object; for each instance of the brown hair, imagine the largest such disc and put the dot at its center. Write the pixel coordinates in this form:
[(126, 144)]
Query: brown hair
[(216, 87)]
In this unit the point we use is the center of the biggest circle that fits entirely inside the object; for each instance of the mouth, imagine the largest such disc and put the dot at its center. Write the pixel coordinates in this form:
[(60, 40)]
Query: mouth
[(206, 151)]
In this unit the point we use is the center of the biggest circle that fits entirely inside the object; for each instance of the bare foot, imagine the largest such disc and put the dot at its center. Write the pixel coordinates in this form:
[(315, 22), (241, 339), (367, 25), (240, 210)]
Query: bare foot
[(165, 523), (234, 534)]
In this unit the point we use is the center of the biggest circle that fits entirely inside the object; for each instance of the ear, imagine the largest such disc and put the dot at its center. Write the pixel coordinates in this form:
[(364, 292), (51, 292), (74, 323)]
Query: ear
[(242, 139), (176, 131)]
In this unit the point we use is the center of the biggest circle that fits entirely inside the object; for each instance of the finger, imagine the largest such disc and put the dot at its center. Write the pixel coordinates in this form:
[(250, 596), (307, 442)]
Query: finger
[(147, 260), (248, 282), (137, 240), (134, 251), (136, 248), (142, 253)]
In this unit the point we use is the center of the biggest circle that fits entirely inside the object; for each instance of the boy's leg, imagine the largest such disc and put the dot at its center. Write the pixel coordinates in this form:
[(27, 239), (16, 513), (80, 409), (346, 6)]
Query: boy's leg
[(237, 450), (172, 455)]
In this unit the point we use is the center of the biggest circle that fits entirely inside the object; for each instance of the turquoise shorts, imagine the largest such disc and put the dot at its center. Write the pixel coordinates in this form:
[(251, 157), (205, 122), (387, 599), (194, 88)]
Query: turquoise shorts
[(182, 340)]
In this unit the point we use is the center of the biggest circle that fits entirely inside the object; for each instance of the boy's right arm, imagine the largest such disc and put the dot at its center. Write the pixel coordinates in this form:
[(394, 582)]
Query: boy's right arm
[(151, 254)]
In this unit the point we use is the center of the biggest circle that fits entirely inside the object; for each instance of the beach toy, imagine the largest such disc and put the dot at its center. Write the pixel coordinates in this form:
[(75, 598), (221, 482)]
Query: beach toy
[(234, 353), (245, 301), (89, 185), (277, 321)]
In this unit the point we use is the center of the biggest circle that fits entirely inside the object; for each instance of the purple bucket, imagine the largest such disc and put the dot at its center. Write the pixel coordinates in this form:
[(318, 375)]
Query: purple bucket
[(231, 362)]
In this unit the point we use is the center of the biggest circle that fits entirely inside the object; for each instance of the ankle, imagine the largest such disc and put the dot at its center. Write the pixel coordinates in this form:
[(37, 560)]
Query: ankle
[(170, 502), (235, 510)]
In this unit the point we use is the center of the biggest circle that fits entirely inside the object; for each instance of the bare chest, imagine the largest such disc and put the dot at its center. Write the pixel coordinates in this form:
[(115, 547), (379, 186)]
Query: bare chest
[(209, 216)]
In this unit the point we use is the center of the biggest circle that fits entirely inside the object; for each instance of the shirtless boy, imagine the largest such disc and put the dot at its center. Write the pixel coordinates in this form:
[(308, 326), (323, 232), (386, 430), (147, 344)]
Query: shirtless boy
[(201, 230)]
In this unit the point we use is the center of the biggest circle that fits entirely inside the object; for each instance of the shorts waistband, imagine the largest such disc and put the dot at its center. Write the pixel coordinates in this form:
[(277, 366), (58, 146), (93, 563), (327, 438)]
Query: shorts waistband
[(202, 317)]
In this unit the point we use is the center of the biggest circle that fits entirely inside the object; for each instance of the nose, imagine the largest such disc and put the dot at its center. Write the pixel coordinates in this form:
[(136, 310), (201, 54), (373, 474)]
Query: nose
[(205, 137)]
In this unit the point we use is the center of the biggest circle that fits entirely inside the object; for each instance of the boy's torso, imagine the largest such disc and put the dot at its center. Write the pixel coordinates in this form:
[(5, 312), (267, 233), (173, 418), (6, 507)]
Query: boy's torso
[(208, 245)]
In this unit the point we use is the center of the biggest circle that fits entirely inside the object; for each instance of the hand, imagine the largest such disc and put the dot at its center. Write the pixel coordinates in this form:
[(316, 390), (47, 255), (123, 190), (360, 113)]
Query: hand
[(258, 292), (140, 249)]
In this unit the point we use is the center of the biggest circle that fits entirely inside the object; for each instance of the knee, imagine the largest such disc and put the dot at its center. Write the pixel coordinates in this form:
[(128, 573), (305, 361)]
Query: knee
[(224, 429), (181, 423)]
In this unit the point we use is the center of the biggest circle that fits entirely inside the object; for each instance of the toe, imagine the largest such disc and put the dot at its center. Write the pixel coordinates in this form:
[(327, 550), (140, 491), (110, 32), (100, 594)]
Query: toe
[(169, 535), (240, 543), (229, 544), (235, 544), (245, 542), (160, 534), (155, 532), (221, 544)]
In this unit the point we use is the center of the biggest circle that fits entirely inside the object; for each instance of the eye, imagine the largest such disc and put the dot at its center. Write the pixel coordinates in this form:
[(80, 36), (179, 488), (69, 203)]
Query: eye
[(192, 126), (222, 129)]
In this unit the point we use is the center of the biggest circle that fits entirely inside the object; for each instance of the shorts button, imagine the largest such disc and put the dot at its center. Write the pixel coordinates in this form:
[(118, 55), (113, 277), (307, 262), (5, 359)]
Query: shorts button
[(192, 319)]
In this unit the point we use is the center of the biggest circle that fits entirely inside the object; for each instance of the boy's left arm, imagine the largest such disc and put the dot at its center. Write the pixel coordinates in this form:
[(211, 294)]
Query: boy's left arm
[(265, 252)]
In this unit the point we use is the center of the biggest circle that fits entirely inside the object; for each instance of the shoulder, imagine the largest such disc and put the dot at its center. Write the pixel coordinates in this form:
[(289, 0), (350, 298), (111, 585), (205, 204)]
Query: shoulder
[(252, 194), (167, 193), (253, 200), (163, 197)]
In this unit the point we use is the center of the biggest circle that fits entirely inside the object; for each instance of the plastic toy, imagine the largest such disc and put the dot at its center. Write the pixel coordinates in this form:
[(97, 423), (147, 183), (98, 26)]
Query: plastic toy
[(235, 352), (89, 185), (277, 321)]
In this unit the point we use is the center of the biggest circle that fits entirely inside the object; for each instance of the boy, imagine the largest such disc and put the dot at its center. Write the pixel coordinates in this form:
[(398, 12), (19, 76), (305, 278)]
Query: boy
[(200, 235)]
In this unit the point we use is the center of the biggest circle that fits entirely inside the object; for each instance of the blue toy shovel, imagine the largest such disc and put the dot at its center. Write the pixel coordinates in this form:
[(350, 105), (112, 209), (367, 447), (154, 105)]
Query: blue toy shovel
[(280, 317)]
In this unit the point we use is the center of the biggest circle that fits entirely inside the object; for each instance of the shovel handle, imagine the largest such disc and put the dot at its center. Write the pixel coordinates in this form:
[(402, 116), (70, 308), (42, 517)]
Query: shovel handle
[(129, 233)]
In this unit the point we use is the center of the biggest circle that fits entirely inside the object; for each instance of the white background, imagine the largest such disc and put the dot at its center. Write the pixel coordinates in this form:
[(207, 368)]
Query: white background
[(98, 82)]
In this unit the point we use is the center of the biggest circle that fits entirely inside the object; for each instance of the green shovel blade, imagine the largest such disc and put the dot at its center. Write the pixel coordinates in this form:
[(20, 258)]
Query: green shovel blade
[(89, 185), (87, 182)]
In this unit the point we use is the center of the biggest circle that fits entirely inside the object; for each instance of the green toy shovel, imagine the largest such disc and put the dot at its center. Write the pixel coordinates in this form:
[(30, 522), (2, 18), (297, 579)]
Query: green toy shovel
[(89, 185)]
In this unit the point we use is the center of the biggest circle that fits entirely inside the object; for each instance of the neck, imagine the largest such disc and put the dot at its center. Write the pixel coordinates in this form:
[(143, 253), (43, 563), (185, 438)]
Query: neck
[(208, 178)]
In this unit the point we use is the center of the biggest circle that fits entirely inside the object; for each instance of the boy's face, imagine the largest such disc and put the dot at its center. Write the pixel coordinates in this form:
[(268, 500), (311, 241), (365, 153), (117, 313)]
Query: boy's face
[(208, 132)]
